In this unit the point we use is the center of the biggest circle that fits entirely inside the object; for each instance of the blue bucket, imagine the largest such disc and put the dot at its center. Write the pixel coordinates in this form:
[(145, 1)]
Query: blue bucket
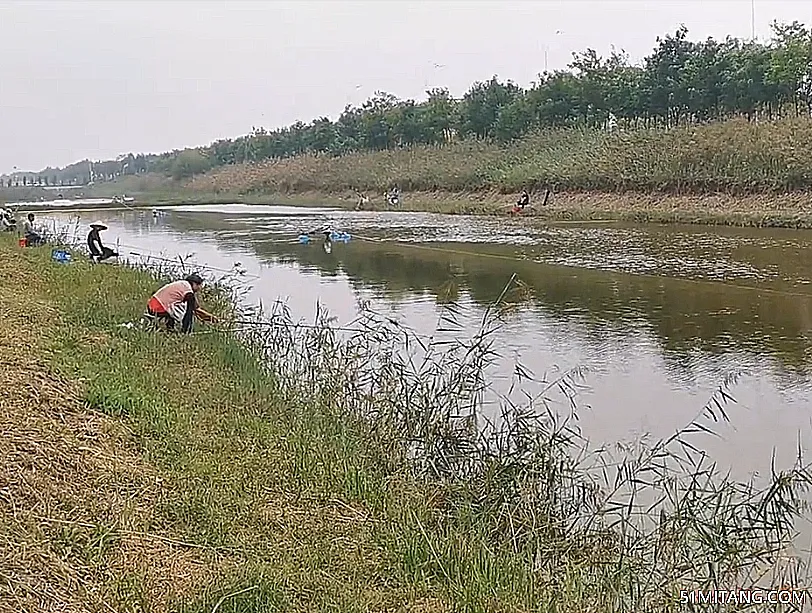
[(304, 239)]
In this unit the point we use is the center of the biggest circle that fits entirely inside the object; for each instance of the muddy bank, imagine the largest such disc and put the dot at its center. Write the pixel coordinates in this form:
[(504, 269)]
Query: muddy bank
[(779, 210)]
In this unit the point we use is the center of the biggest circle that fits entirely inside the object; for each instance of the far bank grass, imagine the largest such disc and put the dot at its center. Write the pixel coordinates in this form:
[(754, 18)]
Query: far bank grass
[(733, 157)]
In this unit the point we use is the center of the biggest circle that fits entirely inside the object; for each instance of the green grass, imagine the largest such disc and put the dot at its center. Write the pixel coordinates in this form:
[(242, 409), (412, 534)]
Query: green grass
[(306, 472), (247, 473)]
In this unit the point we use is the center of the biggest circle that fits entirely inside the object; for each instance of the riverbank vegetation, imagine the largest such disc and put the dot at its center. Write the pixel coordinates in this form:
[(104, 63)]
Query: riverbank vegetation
[(273, 466), (736, 156), (603, 124)]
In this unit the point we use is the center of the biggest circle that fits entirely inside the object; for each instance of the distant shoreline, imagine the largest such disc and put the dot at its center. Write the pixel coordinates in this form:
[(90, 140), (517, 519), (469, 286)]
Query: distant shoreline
[(790, 210)]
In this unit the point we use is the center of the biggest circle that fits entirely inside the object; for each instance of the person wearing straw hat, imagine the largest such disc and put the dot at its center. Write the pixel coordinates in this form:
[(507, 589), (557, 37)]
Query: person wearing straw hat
[(98, 252), (176, 303)]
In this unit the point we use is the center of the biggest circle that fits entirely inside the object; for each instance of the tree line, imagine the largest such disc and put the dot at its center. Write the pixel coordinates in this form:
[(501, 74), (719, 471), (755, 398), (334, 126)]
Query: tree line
[(79, 173), (680, 82)]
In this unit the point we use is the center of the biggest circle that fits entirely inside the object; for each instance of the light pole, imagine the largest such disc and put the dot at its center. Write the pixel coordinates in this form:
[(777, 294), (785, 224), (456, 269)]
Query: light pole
[(753, 19), (432, 73), (546, 49)]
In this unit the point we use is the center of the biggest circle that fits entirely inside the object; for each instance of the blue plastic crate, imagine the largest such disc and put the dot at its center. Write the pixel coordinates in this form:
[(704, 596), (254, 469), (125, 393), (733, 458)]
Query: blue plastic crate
[(61, 256)]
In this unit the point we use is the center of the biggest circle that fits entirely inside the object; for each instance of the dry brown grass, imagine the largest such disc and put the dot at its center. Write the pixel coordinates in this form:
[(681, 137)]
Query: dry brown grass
[(728, 173), (100, 512), (75, 493), (736, 156)]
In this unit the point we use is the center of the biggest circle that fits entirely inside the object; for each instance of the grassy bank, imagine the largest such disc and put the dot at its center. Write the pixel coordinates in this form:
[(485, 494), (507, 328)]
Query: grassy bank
[(297, 470), (730, 173)]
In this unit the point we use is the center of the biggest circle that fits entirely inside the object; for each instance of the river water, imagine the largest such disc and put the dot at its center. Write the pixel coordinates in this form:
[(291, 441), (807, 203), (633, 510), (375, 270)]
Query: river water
[(659, 316)]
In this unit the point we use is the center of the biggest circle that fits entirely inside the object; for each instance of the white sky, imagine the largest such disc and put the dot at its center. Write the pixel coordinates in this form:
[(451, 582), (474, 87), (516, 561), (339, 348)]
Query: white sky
[(96, 79)]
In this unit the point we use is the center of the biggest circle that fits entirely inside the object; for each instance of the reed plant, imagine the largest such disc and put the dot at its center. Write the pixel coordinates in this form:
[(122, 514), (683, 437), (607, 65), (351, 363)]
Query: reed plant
[(733, 156)]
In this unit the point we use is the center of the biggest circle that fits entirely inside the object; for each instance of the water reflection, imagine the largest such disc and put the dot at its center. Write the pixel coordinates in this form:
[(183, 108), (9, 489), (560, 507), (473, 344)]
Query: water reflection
[(659, 315)]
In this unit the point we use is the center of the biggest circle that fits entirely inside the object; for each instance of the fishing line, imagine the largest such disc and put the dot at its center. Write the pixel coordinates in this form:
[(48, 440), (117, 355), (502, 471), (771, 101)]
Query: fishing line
[(179, 260), (616, 273), (275, 324), (775, 292)]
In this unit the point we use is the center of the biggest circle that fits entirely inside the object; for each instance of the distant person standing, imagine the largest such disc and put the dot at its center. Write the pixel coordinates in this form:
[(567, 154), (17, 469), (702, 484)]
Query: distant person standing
[(8, 221), (523, 201)]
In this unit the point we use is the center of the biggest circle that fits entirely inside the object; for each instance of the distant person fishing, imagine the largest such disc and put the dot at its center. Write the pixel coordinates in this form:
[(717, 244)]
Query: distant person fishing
[(524, 201), (32, 237), (98, 252), (393, 198), (361, 202)]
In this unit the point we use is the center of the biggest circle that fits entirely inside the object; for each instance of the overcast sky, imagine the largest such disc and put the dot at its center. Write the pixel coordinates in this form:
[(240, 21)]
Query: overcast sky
[(96, 79)]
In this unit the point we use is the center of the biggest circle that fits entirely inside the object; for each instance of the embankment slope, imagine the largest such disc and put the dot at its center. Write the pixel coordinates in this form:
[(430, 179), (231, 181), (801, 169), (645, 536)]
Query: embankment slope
[(145, 473), (734, 172)]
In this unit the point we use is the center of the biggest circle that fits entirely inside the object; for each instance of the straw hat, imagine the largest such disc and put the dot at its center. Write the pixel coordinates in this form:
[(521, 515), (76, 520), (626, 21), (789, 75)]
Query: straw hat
[(99, 225)]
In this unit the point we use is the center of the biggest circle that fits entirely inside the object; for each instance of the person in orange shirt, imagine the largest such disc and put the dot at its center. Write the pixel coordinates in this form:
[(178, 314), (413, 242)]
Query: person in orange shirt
[(176, 303)]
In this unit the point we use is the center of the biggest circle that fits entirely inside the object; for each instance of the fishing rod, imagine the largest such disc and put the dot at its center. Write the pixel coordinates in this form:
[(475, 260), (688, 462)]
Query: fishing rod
[(281, 324), (180, 260)]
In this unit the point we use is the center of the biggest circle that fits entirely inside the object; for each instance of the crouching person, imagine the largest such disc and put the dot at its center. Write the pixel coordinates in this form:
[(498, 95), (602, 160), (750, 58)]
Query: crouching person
[(176, 303), (98, 252)]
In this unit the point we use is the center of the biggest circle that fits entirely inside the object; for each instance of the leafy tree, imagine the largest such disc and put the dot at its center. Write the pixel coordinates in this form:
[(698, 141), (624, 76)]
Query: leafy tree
[(188, 163), (481, 106), (680, 82)]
